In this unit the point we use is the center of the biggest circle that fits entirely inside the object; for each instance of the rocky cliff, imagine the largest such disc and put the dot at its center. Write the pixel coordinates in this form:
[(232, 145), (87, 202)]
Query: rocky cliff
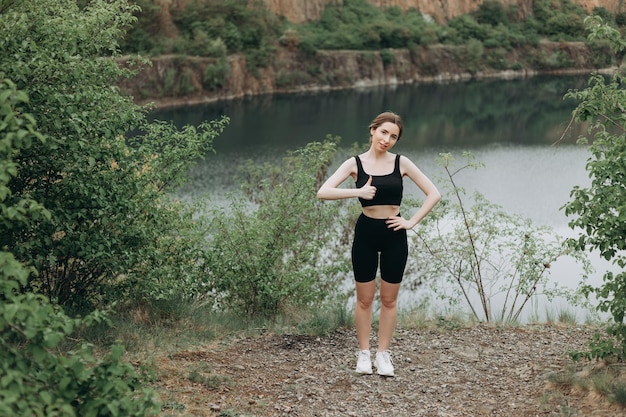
[(174, 80), (440, 10), (178, 80)]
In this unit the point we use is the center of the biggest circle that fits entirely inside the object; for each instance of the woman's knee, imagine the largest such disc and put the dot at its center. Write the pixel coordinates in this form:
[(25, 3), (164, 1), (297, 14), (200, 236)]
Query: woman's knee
[(388, 302), (365, 302), (389, 295)]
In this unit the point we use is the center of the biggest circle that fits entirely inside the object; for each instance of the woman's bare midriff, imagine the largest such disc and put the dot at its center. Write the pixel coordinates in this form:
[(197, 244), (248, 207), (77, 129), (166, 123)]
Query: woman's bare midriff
[(381, 212)]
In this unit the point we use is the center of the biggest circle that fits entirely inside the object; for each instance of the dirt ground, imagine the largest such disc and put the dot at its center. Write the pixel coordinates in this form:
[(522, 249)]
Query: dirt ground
[(480, 370)]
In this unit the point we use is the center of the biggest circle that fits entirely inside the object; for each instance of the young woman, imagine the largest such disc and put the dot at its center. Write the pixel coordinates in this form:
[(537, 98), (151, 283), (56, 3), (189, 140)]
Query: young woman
[(380, 229)]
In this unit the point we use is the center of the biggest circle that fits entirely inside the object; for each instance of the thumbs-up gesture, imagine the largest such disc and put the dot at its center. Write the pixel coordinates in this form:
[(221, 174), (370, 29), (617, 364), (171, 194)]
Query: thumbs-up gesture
[(368, 190)]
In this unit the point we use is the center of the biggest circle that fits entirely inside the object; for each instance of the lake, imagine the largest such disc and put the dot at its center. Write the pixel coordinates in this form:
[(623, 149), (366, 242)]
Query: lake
[(514, 127)]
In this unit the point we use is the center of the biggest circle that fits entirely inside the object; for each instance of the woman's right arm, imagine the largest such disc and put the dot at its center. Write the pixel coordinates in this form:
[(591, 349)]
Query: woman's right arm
[(330, 190)]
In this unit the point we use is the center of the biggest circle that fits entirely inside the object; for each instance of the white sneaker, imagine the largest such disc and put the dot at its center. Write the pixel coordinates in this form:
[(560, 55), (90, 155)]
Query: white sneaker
[(383, 364), (364, 363)]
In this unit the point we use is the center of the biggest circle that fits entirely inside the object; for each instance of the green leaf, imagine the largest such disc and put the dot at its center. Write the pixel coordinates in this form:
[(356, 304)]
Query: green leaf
[(52, 339)]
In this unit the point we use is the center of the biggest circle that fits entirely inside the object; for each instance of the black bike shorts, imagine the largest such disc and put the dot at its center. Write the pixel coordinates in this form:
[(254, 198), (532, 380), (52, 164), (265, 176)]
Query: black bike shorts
[(371, 238)]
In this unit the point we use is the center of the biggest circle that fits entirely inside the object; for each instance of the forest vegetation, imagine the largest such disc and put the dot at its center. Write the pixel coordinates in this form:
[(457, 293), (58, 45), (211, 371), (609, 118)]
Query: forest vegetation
[(202, 37)]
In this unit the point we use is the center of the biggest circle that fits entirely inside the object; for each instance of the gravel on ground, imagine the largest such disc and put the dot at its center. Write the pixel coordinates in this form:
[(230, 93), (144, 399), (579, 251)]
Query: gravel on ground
[(479, 370)]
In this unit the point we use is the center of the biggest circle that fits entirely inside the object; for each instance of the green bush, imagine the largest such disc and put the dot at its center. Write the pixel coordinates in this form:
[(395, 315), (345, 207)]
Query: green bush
[(186, 82), (203, 45), (215, 74), (39, 378), (599, 211), (565, 27), (259, 57), (19, 133), (243, 25), (356, 24), (559, 19), (603, 56), (169, 82), (497, 59), (388, 57), (269, 251), (106, 193), (474, 52), (606, 16), (292, 78), (466, 27), (491, 12)]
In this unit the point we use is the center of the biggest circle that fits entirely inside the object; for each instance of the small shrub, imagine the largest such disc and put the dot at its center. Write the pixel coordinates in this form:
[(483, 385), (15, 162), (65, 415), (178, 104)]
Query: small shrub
[(204, 45), (290, 39), (265, 260), (314, 70), (617, 393), (169, 82), (307, 48), (186, 83), (388, 57), (369, 58), (41, 380), (491, 12), (215, 74), (474, 55), (294, 78), (478, 251), (497, 59)]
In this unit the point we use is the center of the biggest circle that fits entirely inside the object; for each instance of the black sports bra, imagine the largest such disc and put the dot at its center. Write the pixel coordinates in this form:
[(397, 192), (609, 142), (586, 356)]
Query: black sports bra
[(388, 187)]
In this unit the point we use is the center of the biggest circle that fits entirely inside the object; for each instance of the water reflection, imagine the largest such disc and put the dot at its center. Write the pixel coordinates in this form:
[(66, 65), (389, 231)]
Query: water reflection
[(477, 113)]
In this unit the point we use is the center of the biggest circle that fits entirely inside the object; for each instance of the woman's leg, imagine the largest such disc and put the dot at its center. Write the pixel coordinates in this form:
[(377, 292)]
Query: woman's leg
[(365, 292), (388, 314), (392, 263)]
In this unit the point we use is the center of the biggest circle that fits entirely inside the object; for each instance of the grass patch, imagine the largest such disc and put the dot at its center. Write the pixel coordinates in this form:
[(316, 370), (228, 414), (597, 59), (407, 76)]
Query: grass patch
[(324, 322), (146, 329), (422, 318), (567, 316), (560, 315), (607, 382), (555, 400), (563, 379), (208, 380)]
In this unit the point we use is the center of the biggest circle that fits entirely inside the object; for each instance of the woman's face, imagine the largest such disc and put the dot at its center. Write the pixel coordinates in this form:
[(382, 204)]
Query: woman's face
[(385, 136)]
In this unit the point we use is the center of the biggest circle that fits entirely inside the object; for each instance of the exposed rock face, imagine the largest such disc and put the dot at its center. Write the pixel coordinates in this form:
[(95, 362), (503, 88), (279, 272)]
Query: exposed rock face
[(299, 10), (303, 10), (329, 70)]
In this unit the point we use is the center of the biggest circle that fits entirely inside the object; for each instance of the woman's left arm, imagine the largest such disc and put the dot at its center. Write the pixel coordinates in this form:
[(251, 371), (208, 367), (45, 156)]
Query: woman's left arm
[(408, 168)]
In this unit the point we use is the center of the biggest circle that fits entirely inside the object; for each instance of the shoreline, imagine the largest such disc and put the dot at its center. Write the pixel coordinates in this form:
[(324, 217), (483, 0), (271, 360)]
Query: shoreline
[(443, 77)]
